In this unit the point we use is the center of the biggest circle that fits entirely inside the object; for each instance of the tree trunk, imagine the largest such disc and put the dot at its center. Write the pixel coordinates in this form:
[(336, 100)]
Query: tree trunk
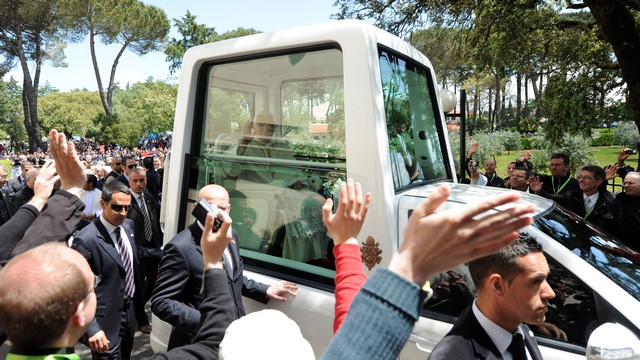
[(476, 101), (490, 109), (30, 93), (618, 26), (113, 74), (96, 70), (518, 97), (498, 107)]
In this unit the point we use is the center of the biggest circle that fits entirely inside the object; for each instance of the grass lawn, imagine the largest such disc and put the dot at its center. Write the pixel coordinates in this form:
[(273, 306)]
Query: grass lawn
[(604, 155)]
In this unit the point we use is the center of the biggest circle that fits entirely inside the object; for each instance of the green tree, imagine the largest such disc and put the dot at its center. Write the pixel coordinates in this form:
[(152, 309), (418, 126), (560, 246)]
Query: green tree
[(153, 108), (33, 31), (10, 108), (546, 45), (132, 24), (73, 113), (194, 34), (626, 134)]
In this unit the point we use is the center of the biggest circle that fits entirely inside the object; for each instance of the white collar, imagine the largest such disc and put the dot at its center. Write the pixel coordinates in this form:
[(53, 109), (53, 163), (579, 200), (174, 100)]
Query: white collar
[(500, 337)]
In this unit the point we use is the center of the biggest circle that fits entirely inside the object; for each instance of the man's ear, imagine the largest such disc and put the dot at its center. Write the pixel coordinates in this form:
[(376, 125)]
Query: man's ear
[(497, 284), (78, 318)]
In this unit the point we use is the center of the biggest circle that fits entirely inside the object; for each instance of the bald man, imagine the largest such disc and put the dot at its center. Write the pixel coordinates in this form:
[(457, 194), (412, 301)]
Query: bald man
[(47, 324), (177, 297), (21, 197)]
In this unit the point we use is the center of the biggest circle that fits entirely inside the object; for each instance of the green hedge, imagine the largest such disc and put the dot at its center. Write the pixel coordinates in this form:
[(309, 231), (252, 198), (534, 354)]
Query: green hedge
[(604, 137)]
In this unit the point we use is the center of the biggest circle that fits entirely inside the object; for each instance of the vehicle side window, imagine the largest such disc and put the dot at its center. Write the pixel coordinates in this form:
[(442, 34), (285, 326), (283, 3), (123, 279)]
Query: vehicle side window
[(572, 310), (279, 151), (415, 147)]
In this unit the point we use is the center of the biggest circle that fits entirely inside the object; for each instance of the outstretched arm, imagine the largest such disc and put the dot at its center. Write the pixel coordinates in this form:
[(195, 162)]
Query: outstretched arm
[(388, 304), (345, 226)]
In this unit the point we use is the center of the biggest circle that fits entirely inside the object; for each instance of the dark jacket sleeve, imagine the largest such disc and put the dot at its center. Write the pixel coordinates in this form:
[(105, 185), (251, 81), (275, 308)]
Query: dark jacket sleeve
[(217, 311), (173, 279), (254, 290), (57, 222), (13, 230), (85, 250)]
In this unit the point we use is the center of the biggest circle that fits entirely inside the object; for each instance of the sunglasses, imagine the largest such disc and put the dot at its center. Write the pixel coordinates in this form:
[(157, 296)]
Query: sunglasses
[(117, 164), (131, 166), (118, 208)]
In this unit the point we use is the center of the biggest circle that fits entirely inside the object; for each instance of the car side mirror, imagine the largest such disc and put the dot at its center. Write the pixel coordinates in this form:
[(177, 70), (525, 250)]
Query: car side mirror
[(613, 341)]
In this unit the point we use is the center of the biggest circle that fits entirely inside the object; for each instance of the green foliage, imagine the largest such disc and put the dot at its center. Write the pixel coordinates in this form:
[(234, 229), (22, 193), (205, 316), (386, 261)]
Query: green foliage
[(627, 134), (510, 139), (604, 137), (194, 34), (73, 113), (153, 107), (576, 146), (134, 25), (11, 123)]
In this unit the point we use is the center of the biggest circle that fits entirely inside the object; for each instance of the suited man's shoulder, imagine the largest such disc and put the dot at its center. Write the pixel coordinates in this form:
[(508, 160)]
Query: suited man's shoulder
[(453, 346), (183, 240)]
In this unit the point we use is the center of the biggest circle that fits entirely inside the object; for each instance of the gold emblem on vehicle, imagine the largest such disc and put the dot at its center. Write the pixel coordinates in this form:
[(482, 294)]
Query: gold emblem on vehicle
[(370, 252)]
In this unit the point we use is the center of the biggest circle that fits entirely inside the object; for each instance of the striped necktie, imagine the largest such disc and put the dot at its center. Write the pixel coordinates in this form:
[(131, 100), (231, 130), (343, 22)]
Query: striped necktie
[(130, 285), (148, 234)]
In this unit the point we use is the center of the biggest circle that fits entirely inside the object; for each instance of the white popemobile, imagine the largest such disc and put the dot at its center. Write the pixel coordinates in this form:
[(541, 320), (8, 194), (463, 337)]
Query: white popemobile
[(346, 99)]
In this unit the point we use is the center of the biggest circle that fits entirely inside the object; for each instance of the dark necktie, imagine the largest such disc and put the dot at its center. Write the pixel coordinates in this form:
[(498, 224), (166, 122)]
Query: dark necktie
[(517, 348), (148, 234), (130, 285)]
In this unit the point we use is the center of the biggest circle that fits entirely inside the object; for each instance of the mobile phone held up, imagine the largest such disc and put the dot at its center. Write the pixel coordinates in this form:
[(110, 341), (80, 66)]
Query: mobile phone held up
[(631, 152), (201, 211)]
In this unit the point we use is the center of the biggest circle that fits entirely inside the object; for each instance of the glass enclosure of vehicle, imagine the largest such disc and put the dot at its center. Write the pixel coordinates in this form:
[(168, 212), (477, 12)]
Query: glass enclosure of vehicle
[(416, 150), (272, 133)]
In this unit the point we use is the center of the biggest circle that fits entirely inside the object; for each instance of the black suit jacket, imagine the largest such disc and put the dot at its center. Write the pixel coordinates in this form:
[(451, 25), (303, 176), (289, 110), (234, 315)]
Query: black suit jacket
[(551, 184), (15, 185), (123, 179), (607, 213), (468, 340), (17, 199), (95, 244), (177, 297), (135, 214), (154, 184)]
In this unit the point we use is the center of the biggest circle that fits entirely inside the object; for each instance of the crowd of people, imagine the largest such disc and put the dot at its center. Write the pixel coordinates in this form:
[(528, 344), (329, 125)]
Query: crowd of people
[(95, 285), (85, 226), (586, 195)]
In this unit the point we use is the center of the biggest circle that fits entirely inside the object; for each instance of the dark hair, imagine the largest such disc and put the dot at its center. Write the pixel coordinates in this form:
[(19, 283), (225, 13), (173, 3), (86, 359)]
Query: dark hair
[(564, 157), (148, 162), (92, 179), (597, 171), (503, 262), (112, 188), (526, 171)]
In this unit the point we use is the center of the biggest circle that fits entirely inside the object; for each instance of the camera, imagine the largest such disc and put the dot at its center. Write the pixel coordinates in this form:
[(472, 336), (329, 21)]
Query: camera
[(630, 152), (201, 211), (473, 163)]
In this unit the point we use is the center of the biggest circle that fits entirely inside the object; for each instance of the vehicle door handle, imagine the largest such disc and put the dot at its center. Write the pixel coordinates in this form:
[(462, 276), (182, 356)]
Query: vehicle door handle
[(422, 343)]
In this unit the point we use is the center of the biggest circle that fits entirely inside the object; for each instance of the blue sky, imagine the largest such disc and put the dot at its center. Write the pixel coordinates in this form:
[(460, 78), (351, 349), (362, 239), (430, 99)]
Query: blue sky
[(223, 15)]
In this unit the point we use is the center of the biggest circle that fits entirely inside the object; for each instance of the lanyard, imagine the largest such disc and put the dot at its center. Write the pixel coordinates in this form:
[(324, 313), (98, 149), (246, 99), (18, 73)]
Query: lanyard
[(492, 177), (561, 187)]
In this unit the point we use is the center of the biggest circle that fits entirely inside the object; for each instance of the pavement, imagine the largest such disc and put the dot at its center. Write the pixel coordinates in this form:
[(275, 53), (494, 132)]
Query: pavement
[(141, 346)]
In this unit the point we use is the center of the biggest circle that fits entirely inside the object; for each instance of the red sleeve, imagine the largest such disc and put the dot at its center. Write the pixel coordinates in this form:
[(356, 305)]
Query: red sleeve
[(350, 277)]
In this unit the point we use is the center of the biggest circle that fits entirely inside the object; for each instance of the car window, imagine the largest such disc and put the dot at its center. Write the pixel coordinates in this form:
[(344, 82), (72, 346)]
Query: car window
[(416, 150), (272, 134), (611, 257)]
